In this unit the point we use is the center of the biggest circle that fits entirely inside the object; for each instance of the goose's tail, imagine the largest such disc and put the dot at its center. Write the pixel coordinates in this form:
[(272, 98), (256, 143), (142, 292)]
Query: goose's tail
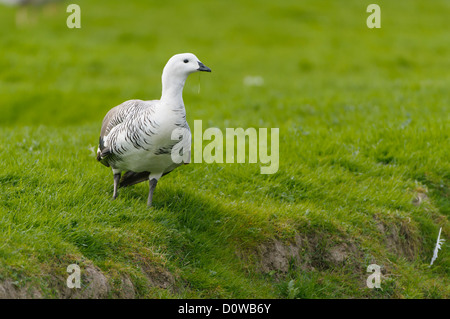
[(131, 178)]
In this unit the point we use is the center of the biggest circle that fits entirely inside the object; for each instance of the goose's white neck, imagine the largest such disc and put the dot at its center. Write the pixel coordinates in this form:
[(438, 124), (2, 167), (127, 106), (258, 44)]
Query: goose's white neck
[(172, 89)]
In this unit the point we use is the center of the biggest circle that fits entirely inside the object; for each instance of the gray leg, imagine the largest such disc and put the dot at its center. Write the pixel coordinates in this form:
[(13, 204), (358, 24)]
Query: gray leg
[(116, 183), (152, 183)]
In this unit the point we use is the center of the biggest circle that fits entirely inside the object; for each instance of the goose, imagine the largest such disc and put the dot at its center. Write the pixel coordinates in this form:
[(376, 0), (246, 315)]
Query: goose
[(136, 136)]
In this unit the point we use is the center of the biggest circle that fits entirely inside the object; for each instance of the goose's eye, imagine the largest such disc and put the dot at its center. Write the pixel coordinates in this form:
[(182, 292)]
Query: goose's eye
[(186, 61)]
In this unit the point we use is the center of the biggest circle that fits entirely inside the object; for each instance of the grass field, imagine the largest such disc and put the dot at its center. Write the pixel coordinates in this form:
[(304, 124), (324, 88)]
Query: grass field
[(364, 171)]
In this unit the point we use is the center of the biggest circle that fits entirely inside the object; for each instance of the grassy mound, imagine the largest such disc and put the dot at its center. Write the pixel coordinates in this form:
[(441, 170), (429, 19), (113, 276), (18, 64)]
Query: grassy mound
[(363, 179)]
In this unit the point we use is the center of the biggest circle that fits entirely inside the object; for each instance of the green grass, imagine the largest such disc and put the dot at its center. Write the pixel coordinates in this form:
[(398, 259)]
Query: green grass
[(364, 129)]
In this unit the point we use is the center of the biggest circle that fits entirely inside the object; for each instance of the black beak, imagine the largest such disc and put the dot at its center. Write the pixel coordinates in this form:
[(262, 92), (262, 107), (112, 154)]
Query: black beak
[(202, 67)]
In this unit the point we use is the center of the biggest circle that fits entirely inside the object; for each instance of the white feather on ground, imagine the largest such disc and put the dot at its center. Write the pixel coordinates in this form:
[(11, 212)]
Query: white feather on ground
[(438, 246)]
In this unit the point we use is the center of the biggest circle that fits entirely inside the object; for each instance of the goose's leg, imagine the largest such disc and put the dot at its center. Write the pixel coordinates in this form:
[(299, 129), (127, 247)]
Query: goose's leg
[(152, 183), (116, 184)]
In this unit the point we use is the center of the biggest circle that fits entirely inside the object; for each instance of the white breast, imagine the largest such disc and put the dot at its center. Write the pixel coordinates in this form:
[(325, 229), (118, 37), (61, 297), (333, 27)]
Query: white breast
[(154, 154)]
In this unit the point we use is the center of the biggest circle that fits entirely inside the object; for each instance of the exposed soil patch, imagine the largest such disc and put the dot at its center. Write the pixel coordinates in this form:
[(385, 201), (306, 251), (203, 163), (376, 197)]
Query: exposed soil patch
[(340, 253), (306, 253), (278, 256), (10, 290), (94, 285), (311, 252), (399, 238), (153, 268)]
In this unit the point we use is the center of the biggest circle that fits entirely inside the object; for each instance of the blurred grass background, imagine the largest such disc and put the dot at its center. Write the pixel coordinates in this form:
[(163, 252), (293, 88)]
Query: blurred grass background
[(364, 131)]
